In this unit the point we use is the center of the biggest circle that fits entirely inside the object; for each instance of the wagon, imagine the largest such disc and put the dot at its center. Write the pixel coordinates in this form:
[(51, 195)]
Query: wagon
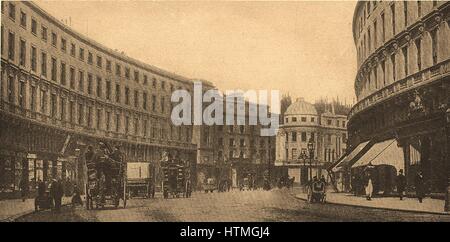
[(140, 180), (100, 191), (210, 185), (176, 181)]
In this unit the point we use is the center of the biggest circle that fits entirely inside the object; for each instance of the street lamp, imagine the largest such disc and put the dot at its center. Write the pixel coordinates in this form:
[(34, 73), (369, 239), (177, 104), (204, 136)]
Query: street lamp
[(77, 165), (311, 155), (447, 134), (303, 157)]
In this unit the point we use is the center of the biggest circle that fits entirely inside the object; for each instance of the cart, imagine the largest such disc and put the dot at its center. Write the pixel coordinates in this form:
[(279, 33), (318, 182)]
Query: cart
[(245, 184), (101, 191), (317, 192), (210, 185), (176, 181), (140, 179), (43, 201)]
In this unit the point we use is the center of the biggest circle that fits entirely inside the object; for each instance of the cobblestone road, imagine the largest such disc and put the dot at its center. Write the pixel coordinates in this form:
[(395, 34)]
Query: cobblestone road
[(239, 206)]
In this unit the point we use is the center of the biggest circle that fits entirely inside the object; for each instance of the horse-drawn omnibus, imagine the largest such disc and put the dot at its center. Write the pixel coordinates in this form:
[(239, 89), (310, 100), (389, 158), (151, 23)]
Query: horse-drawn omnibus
[(106, 178)]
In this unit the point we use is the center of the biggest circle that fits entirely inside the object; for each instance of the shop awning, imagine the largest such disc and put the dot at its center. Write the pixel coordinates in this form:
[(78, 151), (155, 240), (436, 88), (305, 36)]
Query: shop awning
[(347, 159), (383, 153), (334, 167)]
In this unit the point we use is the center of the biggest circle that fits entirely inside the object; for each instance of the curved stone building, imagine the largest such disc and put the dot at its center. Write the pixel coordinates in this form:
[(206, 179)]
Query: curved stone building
[(61, 91), (402, 88), (301, 124)]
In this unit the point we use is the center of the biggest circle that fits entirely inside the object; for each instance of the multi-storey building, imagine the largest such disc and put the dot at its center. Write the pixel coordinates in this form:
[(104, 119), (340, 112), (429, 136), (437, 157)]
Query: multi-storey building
[(402, 88), (233, 152), (61, 91), (302, 125)]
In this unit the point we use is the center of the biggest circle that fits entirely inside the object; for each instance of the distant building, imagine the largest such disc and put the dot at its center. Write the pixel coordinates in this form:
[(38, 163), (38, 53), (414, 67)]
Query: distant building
[(232, 152), (302, 124)]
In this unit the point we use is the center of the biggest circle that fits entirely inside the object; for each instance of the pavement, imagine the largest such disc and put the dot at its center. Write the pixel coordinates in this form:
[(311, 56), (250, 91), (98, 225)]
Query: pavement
[(429, 205), (11, 209)]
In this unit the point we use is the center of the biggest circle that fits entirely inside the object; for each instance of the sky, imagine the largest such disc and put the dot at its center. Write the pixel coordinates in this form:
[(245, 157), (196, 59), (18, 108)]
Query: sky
[(302, 48)]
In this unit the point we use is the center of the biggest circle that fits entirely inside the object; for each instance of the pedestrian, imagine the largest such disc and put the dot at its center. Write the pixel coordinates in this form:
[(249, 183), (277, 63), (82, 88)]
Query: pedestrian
[(76, 198), (23, 186), (41, 188), (419, 183), (369, 188), (401, 184), (353, 185), (57, 192)]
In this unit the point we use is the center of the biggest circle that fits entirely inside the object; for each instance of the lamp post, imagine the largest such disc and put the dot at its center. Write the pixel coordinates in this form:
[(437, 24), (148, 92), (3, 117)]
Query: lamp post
[(311, 155), (76, 167), (447, 141), (303, 157)]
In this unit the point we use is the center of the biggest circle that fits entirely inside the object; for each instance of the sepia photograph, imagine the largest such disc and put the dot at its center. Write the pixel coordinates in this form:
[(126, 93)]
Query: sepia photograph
[(225, 111)]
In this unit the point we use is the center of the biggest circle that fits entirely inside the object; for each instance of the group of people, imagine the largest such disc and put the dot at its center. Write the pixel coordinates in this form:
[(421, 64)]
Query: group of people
[(224, 185), (285, 181), (419, 184), (366, 183), (56, 191)]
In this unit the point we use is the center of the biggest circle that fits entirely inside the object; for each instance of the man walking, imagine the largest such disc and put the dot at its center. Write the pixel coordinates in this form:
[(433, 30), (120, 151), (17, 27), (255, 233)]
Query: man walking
[(401, 184), (41, 188), (57, 192), (420, 189), (23, 185)]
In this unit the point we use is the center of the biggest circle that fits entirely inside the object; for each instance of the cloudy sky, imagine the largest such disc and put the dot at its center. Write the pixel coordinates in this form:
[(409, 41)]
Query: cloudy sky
[(304, 48)]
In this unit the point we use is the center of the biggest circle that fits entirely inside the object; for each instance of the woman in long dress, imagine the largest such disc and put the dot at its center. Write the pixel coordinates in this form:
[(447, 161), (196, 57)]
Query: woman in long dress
[(369, 189)]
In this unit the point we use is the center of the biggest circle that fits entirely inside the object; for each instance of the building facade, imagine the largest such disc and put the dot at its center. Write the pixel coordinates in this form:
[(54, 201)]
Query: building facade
[(232, 152), (61, 91), (303, 124), (403, 89)]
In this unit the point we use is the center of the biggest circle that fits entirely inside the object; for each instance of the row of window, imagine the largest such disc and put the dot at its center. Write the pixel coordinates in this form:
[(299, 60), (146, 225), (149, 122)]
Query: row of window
[(242, 142), (240, 128), (371, 79), (72, 73), (63, 43), (302, 119), (312, 136), (68, 111), (329, 154), (372, 41), (313, 119), (241, 154)]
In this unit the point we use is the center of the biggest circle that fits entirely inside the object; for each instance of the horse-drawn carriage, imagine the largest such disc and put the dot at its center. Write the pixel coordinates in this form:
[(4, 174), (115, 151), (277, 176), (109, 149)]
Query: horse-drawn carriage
[(176, 179), (317, 192), (106, 178), (141, 179)]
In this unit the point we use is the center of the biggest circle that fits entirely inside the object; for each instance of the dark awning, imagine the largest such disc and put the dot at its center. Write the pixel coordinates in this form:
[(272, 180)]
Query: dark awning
[(348, 159)]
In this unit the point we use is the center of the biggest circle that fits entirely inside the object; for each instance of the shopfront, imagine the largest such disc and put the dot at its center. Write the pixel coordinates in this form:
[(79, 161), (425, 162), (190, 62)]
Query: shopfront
[(13, 167), (384, 159)]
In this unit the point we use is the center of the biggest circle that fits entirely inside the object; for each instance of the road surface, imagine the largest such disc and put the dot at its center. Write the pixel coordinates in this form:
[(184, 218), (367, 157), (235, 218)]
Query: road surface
[(234, 206)]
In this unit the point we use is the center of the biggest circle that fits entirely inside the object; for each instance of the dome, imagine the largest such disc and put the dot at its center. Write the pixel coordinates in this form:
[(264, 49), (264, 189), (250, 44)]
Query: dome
[(301, 107)]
